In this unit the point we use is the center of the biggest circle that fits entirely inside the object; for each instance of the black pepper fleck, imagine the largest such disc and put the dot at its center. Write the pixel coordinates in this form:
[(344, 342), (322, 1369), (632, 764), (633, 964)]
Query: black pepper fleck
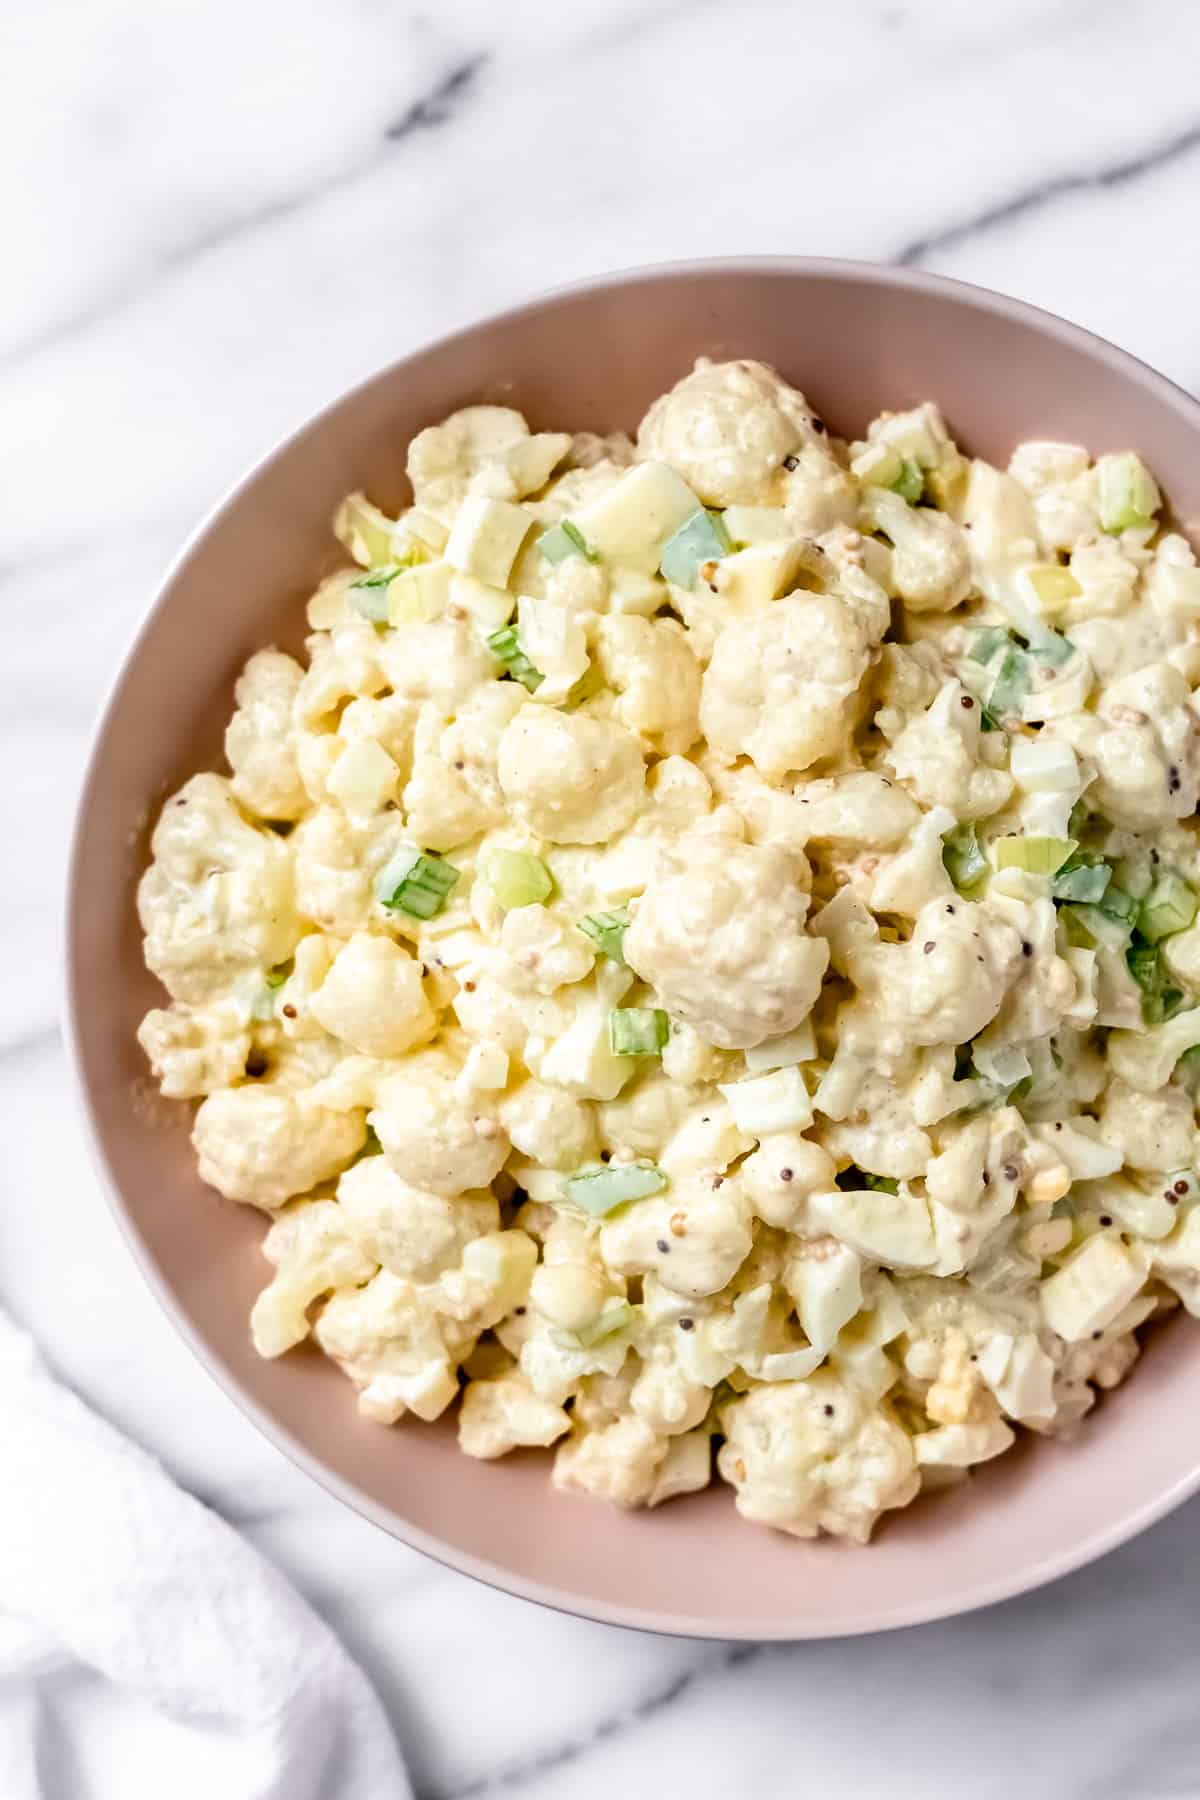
[(790, 463), (663, 1248), (828, 1412), (786, 1174), (256, 1066), (606, 1156), (929, 946), (1105, 1219), (686, 1324), (1026, 947), (520, 1312), (1009, 1171), (819, 425), (1097, 1334)]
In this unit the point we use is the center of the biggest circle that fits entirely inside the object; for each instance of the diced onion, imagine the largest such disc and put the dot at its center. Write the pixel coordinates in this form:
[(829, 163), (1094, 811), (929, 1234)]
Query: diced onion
[(1043, 765), (776, 1102)]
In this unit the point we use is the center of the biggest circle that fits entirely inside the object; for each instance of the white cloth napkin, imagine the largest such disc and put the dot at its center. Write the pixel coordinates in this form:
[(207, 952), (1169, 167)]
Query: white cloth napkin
[(147, 1649)]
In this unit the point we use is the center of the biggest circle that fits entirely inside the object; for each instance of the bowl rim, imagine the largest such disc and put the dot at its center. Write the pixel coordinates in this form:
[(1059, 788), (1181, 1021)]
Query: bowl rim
[(971, 1598)]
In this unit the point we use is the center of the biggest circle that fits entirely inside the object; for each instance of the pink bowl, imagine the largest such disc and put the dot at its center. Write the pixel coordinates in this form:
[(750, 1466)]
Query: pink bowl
[(857, 339)]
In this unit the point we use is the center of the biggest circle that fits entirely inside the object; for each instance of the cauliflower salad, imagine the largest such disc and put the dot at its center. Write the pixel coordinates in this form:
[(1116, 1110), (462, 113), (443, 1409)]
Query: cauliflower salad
[(700, 967)]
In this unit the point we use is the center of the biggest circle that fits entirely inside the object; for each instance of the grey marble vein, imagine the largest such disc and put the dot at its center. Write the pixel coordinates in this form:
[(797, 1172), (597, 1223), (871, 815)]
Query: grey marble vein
[(546, 1762), (1033, 199), (439, 104)]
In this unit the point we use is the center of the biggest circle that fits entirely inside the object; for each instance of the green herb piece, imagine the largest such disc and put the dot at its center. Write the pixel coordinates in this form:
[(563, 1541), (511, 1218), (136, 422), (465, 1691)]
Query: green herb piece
[(1160, 999), (1011, 686), (607, 932), (637, 1030), (910, 483), (598, 1191), (422, 891), (700, 539), (1083, 877), (985, 644), (506, 646), (517, 878), (1170, 906), (963, 858), (563, 540)]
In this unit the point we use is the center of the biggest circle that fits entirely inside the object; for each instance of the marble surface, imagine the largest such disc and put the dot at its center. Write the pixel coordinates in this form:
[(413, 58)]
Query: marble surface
[(217, 216)]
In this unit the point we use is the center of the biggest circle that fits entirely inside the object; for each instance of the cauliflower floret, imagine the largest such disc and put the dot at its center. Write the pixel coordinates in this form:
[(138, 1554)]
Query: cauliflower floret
[(930, 567), (490, 1282), (860, 810), (335, 862), (720, 936), (731, 429), (618, 1462), (389, 1340), (218, 897), (258, 739), (694, 1237), (264, 1144), (572, 1288), (657, 679), (550, 1126), (372, 998), (782, 1173), (781, 684), (483, 450), (404, 1229), (945, 984), (1151, 1131), (505, 1414), (442, 660), (1145, 743), (815, 1455), (454, 792), (538, 954), (313, 1252), (196, 1049), (882, 1136), (429, 1137), (343, 665), (571, 778), (937, 755)]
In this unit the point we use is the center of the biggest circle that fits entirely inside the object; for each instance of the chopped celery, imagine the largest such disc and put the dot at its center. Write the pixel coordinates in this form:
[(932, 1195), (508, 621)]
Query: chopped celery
[(422, 891), (963, 858), (1036, 855), (1011, 685), (1160, 1000), (1170, 906), (506, 645), (399, 865), (598, 1191), (369, 594), (1127, 494), (563, 540), (700, 539), (1051, 648), (637, 1030), (910, 483), (617, 1316), (986, 643), (854, 1179), (1083, 877), (518, 878), (1119, 906), (607, 932), (1054, 585)]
